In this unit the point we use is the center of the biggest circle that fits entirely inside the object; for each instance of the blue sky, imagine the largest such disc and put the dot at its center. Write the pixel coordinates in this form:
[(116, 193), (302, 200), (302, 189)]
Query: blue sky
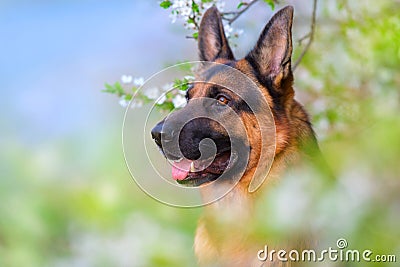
[(56, 56)]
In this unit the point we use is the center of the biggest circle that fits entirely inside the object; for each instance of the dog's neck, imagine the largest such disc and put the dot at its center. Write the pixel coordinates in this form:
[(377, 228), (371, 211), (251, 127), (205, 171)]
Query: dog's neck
[(239, 200), (223, 231), (235, 203), (225, 228)]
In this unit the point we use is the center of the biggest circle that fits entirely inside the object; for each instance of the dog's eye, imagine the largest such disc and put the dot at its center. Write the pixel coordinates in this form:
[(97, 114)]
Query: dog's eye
[(222, 100)]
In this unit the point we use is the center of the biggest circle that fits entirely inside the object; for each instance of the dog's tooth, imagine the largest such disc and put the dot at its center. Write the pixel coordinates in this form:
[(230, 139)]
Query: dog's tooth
[(192, 168)]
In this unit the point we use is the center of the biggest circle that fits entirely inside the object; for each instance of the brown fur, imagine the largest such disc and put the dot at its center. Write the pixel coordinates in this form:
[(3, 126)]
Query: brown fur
[(225, 242), (224, 236), (221, 237)]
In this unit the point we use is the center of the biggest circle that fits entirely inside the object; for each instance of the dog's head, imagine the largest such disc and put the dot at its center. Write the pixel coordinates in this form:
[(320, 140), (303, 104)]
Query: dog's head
[(212, 110)]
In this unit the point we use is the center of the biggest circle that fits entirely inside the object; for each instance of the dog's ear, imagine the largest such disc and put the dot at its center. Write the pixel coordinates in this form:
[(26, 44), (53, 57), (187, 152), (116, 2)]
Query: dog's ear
[(271, 57), (212, 41)]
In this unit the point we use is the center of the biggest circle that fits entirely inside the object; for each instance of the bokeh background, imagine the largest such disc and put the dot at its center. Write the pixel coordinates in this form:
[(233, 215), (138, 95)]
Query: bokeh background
[(66, 197)]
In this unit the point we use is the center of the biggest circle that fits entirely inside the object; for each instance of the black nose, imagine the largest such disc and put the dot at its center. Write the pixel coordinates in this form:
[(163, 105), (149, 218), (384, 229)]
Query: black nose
[(156, 133)]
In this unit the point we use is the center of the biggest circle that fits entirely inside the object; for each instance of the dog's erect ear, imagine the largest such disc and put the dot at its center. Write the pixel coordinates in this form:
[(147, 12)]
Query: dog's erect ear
[(213, 43), (271, 57)]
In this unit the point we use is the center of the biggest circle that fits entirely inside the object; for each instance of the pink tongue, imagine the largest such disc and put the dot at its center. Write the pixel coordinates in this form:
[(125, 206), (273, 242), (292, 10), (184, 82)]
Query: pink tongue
[(180, 170)]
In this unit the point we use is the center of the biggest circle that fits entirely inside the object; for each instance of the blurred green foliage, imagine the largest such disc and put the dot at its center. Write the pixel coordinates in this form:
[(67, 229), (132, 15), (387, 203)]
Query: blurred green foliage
[(52, 215)]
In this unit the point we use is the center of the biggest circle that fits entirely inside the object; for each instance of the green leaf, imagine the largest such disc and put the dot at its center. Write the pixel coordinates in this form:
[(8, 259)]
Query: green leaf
[(166, 106), (182, 85), (169, 96), (134, 89), (185, 66), (271, 3), (119, 89), (240, 5), (195, 35), (109, 89), (165, 4), (146, 100), (116, 88), (206, 1), (195, 7)]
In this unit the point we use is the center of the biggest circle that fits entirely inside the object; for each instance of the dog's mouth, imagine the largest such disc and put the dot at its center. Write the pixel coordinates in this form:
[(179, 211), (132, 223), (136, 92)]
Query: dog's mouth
[(200, 172)]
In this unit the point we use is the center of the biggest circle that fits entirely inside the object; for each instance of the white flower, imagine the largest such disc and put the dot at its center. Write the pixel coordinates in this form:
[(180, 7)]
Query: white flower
[(178, 101), (179, 3), (167, 87), (138, 81), (126, 79), (182, 9), (185, 12), (151, 93), (161, 99), (123, 102), (136, 104), (228, 30), (189, 77)]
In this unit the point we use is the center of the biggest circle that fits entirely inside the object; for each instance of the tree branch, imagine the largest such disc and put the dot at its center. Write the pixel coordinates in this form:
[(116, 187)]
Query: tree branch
[(194, 17), (310, 36), (300, 40), (239, 13)]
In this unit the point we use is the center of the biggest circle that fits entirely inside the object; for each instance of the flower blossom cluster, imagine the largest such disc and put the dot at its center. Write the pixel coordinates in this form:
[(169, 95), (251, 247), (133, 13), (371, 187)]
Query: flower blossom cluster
[(188, 10), (169, 93), (191, 11)]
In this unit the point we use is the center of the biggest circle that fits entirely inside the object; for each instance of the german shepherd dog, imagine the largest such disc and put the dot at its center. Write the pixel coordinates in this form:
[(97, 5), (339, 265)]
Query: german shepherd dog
[(222, 236)]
